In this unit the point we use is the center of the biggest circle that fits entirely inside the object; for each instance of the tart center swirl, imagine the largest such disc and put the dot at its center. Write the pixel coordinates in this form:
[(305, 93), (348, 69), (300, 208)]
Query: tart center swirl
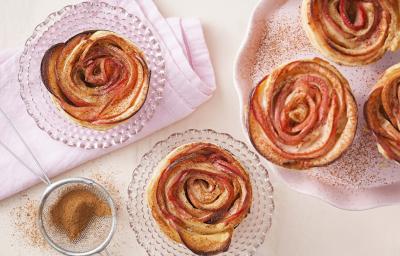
[(299, 107), (354, 13), (200, 196)]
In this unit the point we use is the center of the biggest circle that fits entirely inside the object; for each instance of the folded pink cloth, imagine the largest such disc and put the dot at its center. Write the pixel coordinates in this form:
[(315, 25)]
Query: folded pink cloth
[(190, 82)]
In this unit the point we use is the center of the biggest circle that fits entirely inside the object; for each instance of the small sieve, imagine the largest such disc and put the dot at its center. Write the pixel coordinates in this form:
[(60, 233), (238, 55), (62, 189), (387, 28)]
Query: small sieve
[(99, 231)]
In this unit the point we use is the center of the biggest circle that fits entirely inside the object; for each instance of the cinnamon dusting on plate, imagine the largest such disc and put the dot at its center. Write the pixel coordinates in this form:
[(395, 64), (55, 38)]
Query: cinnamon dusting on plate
[(283, 38), (361, 167)]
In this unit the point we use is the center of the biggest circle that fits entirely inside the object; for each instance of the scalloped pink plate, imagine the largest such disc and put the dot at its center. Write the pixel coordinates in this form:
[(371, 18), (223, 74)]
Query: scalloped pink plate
[(362, 178)]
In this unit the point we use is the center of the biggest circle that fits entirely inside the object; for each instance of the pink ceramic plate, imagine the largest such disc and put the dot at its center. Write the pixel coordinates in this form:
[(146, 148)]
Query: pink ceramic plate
[(362, 178)]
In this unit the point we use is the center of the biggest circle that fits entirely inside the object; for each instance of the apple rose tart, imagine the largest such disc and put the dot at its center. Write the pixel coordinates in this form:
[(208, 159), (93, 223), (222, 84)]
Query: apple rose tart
[(353, 32), (200, 194), (98, 78), (382, 113), (303, 115)]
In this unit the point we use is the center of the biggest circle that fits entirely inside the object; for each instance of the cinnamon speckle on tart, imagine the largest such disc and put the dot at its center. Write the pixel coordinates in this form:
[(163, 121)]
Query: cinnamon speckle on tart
[(98, 78), (199, 194), (352, 32), (303, 115)]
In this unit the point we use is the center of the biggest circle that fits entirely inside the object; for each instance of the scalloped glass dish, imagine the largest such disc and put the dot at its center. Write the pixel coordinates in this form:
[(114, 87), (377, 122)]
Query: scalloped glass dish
[(251, 232), (59, 27)]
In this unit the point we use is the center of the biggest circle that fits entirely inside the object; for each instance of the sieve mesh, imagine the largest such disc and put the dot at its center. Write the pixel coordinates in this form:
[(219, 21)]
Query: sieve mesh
[(95, 237)]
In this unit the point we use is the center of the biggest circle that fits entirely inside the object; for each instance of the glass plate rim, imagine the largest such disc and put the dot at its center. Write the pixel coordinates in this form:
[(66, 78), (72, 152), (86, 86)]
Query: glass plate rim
[(200, 132), (149, 111)]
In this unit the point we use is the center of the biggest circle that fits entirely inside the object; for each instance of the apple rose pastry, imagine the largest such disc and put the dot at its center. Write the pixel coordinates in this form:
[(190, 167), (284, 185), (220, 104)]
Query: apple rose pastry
[(352, 32), (98, 78), (200, 194), (303, 115), (382, 113)]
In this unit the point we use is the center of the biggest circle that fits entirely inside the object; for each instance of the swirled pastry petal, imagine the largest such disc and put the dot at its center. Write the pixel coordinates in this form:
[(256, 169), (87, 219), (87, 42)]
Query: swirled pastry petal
[(303, 115), (382, 112), (352, 32), (208, 243), (199, 195), (98, 78)]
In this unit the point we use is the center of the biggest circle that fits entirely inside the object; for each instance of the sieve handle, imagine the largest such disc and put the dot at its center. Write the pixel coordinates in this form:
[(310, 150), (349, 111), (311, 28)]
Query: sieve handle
[(42, 177)]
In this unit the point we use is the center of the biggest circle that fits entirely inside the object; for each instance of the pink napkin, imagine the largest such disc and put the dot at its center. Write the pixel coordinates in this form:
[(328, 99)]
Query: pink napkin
[(190, 82)]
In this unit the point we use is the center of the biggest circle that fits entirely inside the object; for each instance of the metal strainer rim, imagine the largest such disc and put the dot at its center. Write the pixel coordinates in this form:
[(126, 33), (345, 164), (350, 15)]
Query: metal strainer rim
[(85, 181)]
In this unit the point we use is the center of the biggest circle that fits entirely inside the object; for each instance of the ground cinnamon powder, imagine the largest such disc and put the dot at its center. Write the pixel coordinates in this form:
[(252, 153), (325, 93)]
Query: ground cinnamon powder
[(75, 209)]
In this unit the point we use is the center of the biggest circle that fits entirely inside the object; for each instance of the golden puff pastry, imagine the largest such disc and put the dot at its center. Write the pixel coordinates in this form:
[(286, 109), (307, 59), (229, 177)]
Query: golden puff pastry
[(199, 195), (382, 112), (352, 32), (98, 78), (303, 115)]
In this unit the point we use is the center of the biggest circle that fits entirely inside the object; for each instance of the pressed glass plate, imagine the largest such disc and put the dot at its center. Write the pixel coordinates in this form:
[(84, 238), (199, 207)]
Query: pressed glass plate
[(59, 27), (250, 233)]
